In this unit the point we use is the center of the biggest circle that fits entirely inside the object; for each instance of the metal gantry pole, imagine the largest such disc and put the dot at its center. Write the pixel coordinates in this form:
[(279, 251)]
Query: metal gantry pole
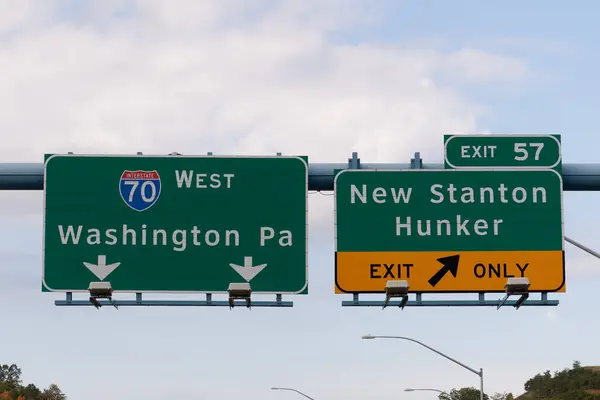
[(478, 373), (576, 177)]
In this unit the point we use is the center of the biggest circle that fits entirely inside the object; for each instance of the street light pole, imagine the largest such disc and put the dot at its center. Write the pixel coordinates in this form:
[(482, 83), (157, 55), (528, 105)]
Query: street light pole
[(478, 373), (293, 390), (430, 390)]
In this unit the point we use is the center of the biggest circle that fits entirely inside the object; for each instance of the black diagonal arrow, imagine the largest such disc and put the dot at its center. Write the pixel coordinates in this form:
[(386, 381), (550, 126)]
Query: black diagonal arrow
[(449, 264)]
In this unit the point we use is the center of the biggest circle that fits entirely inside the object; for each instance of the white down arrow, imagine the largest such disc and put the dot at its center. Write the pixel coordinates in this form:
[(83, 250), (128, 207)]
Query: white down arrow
[(101, 269), (248, 271)]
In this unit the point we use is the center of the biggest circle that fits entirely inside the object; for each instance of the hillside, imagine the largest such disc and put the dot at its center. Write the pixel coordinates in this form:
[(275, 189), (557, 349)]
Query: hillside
[(576, 383)]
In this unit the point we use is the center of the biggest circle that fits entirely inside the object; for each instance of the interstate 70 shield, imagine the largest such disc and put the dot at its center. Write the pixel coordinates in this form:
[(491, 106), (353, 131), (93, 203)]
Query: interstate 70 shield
[(140, 190)]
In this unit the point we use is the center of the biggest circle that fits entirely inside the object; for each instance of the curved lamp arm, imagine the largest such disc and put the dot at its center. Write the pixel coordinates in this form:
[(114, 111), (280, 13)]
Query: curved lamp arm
[(293, 390)]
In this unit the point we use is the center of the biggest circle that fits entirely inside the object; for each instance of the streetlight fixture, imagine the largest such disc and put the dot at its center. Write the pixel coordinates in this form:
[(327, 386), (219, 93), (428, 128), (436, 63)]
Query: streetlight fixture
[(293, 390), (478, 373), (429, 390)]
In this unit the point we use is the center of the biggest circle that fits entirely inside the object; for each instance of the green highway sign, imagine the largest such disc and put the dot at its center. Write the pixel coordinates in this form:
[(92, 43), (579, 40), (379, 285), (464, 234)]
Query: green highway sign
[(417, 224), (502, 151), (185, 224)]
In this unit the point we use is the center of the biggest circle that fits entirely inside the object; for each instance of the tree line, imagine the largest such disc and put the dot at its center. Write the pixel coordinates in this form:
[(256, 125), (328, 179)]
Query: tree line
[(575, 383), (12, 388)]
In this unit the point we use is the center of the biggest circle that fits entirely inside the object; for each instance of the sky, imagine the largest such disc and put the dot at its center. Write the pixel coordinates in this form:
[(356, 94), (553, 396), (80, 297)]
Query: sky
[(321, 78)]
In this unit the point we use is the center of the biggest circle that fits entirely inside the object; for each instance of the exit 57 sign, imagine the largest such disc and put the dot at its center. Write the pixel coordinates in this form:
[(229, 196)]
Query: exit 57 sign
[(175, 223), (503, 151), (449, 230)]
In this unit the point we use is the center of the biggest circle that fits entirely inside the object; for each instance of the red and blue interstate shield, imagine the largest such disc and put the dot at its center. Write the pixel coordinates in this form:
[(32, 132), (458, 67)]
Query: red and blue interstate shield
[(140, 190)]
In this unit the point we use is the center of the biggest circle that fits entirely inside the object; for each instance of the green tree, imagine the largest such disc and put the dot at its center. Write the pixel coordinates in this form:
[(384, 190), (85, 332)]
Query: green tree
[(466, 393), (53, 393), (11, 387), (502, 396), (10, 375), (30, 392), (576, 383)]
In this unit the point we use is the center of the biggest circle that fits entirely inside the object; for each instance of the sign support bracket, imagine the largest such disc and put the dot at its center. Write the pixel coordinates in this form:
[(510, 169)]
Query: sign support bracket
[(139, 301), (416, 162), (401, 304), (517, 303), (481, 302), (354, 163)]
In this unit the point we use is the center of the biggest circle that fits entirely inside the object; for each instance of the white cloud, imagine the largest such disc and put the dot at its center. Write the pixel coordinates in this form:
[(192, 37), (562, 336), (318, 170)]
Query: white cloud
[(551, 316), (477, 66), (580, 265), (211, 76), (204, 76), (14, 14), (269, 83)]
